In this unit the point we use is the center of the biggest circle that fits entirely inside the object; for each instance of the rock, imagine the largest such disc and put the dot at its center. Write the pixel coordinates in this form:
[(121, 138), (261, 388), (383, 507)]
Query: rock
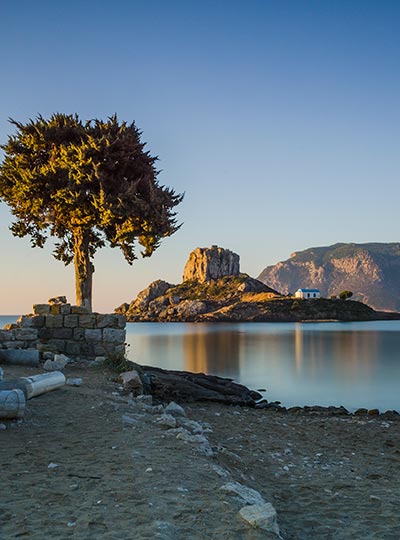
[(145, 399), (126, 419), (2, 427), (199, 440), (373, 412), (58, 364), (248, 495), (205, 264), (154, 290), (58, 300), (131, 382), (261, 516), (166, 420), (191, 425), (175, 409), (74, 382), (52, 465)]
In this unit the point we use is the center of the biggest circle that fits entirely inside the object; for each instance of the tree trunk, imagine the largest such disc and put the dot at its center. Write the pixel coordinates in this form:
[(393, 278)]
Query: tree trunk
[(83, 269)]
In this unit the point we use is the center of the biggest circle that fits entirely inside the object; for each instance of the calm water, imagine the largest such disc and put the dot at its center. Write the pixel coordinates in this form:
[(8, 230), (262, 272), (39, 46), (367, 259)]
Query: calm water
[(350, 364)]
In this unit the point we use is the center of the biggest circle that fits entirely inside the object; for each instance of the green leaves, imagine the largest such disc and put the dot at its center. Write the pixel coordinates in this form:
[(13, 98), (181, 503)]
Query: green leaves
[(61, 176)]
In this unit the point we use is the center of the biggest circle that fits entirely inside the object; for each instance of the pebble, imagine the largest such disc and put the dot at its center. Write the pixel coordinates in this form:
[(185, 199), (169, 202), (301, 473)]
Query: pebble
[(73, 382), (126, 419), (52, 465), (175, 409)]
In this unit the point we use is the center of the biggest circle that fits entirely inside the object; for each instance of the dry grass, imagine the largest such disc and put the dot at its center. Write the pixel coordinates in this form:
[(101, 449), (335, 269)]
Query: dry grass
[(258, 297)]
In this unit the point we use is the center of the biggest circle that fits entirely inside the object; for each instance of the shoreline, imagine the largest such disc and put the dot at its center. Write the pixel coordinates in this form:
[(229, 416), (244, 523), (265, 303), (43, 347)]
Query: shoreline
[(89, 462)]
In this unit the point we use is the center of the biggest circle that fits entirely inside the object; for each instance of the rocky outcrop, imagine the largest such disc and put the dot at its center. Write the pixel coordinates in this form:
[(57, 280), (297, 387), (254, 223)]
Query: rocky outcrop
[(371, 271), (191, 300), (205, 264)]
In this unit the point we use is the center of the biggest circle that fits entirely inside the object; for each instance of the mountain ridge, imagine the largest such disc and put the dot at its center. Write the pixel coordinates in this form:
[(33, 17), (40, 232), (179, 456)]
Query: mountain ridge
[(370, 270)]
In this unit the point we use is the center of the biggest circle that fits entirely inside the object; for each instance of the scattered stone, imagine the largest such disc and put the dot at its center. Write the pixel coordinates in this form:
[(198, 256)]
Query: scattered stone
[(126, 419), (191, 425), (146, 399), (74, 382), (131, 382), (58, 364), (175, 409), (166, 420), (248, 495), (261, 516), (58, 300)]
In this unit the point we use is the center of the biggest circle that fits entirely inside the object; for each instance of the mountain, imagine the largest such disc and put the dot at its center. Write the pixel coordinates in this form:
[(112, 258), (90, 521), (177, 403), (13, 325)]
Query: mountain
[(213, 289), (371, 271)]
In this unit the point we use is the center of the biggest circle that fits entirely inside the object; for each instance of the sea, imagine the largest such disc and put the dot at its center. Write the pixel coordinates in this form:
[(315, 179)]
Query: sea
[(353, 364)]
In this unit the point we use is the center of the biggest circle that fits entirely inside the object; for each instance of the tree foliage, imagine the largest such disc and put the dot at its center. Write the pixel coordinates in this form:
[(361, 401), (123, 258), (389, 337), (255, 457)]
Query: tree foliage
[(86, 184), (344, 295)]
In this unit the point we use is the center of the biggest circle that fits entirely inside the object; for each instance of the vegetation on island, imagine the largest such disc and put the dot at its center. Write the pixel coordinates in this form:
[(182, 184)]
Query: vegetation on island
[(87, 184)]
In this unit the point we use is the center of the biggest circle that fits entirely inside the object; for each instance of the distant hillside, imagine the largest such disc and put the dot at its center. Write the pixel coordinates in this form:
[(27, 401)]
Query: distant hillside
[(371, 271)]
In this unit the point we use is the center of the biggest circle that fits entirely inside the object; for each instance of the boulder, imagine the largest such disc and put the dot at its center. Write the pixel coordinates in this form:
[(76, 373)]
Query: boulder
[(131, 382), (58, 364), (205, 264), (261, 516)]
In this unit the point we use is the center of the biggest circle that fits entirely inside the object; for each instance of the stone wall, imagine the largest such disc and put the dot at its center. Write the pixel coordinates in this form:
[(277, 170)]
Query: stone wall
[(64, 329)]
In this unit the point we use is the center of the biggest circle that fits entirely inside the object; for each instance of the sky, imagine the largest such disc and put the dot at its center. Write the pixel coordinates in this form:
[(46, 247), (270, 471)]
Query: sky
[(279, 120)]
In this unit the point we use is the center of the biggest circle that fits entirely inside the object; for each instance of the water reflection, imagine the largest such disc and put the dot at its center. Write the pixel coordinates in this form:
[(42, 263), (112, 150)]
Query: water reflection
[(354, 364), (215, 352)]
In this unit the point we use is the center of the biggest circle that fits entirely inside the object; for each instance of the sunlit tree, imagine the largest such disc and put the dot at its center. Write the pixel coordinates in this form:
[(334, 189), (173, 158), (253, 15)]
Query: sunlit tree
[(87, 184)]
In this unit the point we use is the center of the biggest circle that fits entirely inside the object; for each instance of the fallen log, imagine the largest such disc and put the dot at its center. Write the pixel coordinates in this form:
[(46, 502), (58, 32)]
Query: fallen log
[(36, 384), (12, 404), (168, 385)]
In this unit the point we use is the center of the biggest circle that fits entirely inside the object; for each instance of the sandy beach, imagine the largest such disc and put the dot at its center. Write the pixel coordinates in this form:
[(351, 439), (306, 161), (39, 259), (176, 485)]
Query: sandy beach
[(89, 463)]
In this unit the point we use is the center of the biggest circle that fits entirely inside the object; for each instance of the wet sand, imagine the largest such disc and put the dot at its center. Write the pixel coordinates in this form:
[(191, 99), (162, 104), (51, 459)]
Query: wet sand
[(118, 473)]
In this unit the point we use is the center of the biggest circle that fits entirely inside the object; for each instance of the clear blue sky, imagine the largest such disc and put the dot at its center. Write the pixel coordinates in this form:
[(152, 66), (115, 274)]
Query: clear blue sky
[(279, 119)]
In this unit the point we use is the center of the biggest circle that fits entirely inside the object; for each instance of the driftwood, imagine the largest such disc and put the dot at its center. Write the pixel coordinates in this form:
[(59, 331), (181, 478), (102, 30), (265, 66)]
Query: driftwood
[(35, 385), (186, 386), (12, 404)]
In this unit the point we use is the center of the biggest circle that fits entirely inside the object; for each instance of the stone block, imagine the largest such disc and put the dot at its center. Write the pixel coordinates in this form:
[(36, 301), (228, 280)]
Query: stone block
[(114, 335), (72, 348), (120, 321), (79, 310), (55, 309), (13, 344), (65, 309), (52, 345), (87, 350), (54, 321), (114, 349), (11, 326), (6, 335), (26, 333), (58, 300), (70, 321), (104, 320), (87, 321), (41, 309), (78, 334), (93, 334), (62, 333), (98, 349), (31, 321), (45, 333)]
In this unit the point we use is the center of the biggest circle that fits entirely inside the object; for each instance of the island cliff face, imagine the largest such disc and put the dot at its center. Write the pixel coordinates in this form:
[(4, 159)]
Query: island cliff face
[(371, 271), (211, 293)]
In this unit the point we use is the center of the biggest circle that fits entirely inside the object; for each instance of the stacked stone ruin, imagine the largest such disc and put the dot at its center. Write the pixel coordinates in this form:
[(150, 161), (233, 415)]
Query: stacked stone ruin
[(61, 328)]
